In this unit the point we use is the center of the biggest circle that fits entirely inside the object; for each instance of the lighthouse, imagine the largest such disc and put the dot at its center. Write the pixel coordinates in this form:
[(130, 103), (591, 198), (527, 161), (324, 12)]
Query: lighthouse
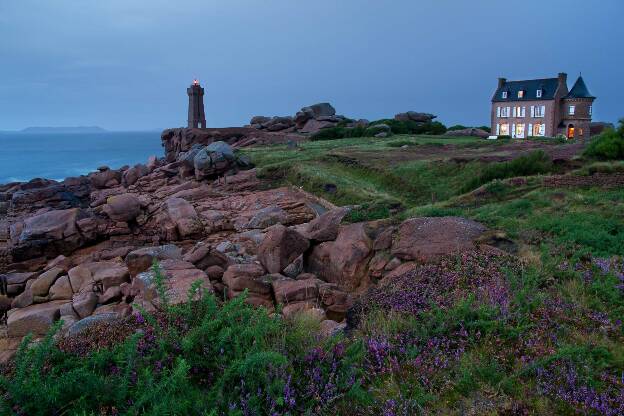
[(196, 116)]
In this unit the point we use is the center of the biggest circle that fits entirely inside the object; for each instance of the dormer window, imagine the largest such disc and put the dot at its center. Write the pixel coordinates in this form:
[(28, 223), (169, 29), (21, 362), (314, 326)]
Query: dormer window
[(538, 94), (504, 94), (520, 94)]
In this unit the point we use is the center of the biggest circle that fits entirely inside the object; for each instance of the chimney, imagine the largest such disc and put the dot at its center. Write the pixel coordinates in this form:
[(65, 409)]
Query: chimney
[(563, 80), (501, 82)]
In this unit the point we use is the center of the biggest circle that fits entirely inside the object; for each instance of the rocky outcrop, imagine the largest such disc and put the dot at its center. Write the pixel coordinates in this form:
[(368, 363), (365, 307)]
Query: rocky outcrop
[(308, 120), (177, 141), (414, 116), (468, 132), (83, 250)]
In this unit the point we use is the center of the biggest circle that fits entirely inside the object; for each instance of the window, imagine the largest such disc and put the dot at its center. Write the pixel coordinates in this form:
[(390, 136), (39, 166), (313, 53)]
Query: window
[(498, 111), (519, 112), (537, 111), (523, 112), (538, 129), (571, 110), (504, 95), (520, 94), (504, 111), (504, 130), (590, 109), (519, 131), (538, 93), (497, 129)]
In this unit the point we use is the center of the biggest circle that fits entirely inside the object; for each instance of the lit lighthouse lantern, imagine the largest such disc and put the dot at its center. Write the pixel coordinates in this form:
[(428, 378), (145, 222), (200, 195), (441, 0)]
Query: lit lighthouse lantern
[(195, 81)]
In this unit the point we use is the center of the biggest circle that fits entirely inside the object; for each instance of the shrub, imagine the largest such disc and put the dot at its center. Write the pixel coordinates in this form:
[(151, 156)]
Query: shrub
[(532, 164), (609, 145), (412, 127), (457, 127)]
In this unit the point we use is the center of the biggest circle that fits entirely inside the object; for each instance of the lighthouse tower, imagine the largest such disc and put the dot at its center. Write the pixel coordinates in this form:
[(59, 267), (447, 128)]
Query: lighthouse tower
[(196, 116)]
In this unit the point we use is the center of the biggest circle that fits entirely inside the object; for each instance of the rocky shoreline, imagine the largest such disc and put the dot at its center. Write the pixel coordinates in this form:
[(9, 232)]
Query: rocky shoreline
[(82, 250)]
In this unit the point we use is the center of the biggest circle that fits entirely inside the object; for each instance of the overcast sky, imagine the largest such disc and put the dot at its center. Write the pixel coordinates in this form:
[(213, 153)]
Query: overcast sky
[(125, 64)]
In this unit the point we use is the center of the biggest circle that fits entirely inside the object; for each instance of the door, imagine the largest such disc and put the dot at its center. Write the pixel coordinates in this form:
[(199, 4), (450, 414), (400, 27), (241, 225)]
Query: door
[(570, 131)]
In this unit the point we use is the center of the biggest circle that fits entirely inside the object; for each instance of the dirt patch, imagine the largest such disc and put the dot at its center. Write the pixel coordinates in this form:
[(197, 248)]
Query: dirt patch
[(458, 153), (602, 180)]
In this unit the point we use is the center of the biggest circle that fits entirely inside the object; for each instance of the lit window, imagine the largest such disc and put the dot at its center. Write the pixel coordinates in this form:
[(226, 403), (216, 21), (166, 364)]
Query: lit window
[(520, 131), (504, 130), (504, 94), (538, 94), (520, 94), (571, 110)]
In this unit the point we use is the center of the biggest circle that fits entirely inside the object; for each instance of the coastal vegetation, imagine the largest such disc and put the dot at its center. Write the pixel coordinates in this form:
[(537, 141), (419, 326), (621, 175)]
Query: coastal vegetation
[(536, 332)]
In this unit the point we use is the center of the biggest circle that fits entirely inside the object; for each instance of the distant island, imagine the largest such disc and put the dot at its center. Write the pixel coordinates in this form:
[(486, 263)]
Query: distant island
[(64, 130)]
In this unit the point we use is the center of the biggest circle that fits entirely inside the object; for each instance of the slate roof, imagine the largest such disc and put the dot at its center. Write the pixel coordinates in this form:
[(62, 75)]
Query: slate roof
[(530, 87), (579, 90)]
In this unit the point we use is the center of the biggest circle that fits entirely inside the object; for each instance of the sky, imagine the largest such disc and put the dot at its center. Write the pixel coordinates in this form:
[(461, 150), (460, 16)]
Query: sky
[(126, 64)]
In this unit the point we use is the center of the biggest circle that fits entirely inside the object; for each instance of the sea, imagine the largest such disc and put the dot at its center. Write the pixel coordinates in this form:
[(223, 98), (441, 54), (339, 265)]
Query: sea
[(25, 156)]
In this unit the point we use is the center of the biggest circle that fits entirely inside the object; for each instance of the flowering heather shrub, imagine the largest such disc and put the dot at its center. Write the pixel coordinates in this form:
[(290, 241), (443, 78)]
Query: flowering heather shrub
[(481, 274), (564, 381)]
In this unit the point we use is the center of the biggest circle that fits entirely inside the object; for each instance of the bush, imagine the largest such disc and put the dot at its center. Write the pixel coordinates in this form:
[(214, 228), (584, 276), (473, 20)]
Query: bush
[(534, 163), (457, 127), (412, 127), (609, 145)]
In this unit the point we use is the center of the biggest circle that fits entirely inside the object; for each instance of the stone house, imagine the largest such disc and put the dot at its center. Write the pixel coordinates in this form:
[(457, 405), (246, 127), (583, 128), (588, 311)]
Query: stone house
[(542, 107)]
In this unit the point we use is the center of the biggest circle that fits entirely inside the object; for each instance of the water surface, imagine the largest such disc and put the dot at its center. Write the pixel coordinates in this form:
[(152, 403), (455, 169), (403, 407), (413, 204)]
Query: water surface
[(57, 156)]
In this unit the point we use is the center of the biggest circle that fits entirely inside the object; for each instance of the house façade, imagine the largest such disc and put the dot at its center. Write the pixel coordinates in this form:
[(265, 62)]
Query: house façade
[(542, 107)]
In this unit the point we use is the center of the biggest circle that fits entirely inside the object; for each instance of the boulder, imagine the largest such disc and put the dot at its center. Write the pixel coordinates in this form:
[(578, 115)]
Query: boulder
[(345, 260), (239, 277), (16, 282), (112, 294), (41, 286), (267, 217), (104, 178), (209, 164), (280, 247), (132, 175), (203, 256), (51, 232), (122, 208), (223, 148), (24, 299), (178, 279), (290, 290), (414, 116), (314, 126), (320, 110), (258, 120), (142, 259), (325, 227), (427, 239), (84, 304), (61, 289), (184, 216), (35, 318), (468, 132)]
